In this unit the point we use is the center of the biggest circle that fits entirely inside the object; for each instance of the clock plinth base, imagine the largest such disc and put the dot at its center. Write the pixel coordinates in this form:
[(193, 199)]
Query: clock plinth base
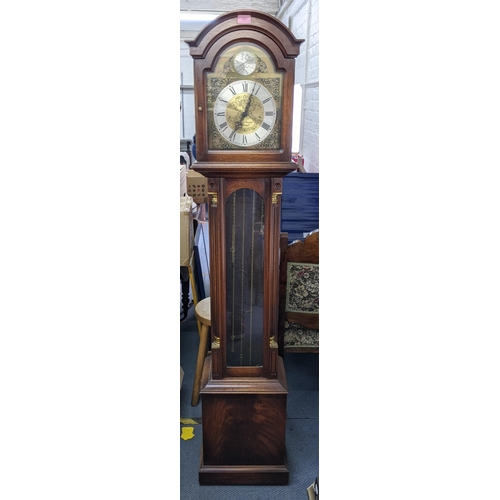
[(243, 475), (244, 428)]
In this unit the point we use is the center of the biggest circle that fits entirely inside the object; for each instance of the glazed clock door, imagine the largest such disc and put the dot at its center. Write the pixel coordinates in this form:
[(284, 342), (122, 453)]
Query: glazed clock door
[(244, 234), (244, 100)]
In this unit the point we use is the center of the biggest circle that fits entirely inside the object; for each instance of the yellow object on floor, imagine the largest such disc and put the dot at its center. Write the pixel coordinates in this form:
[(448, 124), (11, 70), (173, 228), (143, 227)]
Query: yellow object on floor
[(187, 421), (187, 433)]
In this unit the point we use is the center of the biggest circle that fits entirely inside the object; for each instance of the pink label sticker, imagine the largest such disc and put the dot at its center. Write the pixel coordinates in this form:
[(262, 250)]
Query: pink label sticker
[(244, 19)]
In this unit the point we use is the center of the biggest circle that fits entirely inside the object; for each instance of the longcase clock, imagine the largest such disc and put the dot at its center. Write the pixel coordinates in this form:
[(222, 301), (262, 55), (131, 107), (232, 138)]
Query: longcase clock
[(244, 64)]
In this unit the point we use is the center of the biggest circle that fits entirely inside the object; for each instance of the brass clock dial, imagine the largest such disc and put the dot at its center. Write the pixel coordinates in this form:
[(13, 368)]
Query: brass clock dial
[(245, 113), (244, 100)]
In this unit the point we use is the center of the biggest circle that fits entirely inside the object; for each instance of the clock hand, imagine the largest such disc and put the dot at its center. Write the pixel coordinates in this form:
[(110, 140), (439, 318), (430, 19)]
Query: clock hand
[(243, 115)]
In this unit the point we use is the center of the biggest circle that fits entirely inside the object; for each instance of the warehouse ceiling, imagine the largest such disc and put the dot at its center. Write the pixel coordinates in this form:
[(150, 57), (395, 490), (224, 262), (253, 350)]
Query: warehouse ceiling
[(221, 6), (196, 13)]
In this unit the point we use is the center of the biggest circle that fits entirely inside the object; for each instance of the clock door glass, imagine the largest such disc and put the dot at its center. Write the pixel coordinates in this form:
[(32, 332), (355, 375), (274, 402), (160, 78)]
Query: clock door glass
[(244, 94), (244, 228)]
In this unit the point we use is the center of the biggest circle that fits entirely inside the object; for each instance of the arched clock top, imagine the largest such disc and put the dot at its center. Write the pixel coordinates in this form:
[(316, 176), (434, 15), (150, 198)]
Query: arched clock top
[(221, 45), (255, 22)]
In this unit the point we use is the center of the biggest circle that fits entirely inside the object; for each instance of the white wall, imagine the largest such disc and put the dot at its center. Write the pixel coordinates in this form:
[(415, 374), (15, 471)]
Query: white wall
[(186, 97), (302, 18)]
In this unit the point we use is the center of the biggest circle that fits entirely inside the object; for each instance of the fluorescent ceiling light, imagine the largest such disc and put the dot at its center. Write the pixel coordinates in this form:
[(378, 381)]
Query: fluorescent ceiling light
[(197, 16)]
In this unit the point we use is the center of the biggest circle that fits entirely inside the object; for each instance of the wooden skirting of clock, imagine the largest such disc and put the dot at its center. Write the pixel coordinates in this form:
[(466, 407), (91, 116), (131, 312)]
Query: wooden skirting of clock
[(244, 64)]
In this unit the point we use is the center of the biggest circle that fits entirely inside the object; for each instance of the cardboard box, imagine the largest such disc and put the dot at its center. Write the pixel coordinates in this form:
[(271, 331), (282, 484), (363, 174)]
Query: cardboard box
[(187, 231), (197, 186), (313, 491)]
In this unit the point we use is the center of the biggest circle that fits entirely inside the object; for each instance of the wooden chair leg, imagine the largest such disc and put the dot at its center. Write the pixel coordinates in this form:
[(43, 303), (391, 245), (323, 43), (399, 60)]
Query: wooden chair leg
[(202, 351)]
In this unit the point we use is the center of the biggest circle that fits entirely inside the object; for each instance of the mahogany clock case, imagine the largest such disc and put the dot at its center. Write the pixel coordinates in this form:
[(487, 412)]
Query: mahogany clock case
[(244, 63)]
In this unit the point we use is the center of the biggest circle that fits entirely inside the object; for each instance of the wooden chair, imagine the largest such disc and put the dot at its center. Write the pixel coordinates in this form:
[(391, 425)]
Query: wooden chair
[(298, 321), (202, 313)]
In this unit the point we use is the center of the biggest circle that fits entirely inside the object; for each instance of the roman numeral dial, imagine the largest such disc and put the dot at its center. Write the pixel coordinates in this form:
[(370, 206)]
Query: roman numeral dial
[(244, 113)]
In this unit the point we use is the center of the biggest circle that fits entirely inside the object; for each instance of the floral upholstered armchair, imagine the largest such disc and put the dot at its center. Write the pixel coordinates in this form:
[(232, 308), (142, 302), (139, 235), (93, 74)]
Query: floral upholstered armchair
[(298, 322)]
